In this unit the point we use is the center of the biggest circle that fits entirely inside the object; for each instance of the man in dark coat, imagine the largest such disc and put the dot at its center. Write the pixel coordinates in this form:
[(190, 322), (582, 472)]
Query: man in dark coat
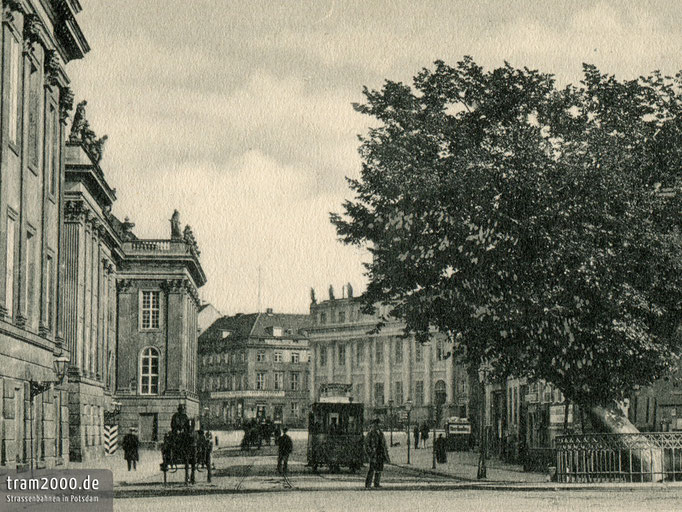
[(377, 454), (415, 431), (441, 451), (131, 445), (284, 448), (180, 421)]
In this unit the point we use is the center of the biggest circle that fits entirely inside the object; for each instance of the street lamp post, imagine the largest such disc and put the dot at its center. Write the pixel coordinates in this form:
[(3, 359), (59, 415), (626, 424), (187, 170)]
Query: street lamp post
[(408, 408), (482, 470), (390, 419), (38, 387), (433, 441)]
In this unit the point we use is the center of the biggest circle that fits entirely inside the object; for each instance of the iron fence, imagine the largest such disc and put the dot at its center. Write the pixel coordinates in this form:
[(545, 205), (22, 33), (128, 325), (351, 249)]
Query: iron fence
[(641, 457)]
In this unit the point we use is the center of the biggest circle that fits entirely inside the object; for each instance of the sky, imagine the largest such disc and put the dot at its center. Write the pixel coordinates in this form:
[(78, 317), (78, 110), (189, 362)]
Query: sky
[(239, 113)]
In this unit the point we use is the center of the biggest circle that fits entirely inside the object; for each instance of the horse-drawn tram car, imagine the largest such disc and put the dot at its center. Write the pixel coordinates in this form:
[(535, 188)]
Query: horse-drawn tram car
[(335, 435)]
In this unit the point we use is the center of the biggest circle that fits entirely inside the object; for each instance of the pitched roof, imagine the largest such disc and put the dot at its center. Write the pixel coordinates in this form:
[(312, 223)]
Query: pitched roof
[(255, 326)]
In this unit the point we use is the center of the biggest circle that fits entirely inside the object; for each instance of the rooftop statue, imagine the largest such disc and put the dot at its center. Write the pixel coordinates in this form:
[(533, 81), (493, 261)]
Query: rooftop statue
[(175, 226), (79, 122)]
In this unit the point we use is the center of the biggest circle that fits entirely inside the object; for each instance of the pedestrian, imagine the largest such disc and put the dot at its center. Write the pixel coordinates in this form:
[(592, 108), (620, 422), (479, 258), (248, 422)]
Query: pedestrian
[(131, 445), (284, 448), (377, 453), (441, 452), (425, 434), (415, 431)]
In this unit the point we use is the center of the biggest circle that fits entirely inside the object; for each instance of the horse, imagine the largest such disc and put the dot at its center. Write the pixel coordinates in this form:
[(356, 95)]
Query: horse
[(185, 448)]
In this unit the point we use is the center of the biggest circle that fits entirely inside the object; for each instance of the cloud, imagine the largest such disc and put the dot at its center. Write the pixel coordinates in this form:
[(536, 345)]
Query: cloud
[(253, 212)]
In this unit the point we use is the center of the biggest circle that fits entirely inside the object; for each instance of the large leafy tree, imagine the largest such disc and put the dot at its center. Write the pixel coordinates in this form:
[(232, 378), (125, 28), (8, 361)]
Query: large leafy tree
[(539, 227)]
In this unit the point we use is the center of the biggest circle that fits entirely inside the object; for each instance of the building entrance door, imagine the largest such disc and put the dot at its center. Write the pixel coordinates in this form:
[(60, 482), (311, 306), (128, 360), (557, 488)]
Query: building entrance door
[(278, 414), (149, 427), (260, 412)]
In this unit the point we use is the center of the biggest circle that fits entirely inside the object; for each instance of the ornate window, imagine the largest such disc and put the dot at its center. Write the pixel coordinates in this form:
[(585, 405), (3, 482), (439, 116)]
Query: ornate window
[(260, 380), (295, 357), (279, 381), (149, 371), (9, 264), (439, 392), (260, 356), (150, 309), (342, 355), (278, 356), (398, 351), (419, 392), (295, 381), (378, 393), (14, 88), (379, 352), (323, 356)]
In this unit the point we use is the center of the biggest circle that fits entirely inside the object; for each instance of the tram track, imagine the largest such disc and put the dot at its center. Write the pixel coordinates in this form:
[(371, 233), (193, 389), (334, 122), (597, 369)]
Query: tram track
[(247, 471)]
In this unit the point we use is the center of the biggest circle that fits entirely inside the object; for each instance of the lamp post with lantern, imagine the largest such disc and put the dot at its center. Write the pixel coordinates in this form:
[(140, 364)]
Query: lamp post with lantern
[(482, 470), (408, 408), (39, 387), (390, 419)]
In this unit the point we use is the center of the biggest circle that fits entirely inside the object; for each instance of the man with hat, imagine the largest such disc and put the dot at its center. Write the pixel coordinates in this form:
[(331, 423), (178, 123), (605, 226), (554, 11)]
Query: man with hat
[(130, 447), (284, 448), (180, 421), (377, 453)]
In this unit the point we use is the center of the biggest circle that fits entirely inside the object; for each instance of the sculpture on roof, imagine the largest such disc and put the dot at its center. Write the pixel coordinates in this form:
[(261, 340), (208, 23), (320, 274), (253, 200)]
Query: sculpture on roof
[(78, 122), (175, 226), (331, 292), (82, 133), (188, 236), (313, 300), (349, 290)]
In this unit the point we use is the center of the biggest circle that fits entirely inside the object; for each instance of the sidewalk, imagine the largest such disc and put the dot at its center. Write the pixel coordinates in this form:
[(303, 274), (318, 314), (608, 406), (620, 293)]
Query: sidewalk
[(147, 467), (463, 465)]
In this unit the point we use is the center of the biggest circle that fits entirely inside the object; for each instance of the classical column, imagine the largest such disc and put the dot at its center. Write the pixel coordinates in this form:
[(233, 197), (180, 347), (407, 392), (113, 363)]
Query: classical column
[(406, 368), (388, 348), (428, 364), (87, 296), (349, 361), (175, 349), (449, 379), (94, 301), (369, 368), (65, 106), (313, 370), (331, 356)]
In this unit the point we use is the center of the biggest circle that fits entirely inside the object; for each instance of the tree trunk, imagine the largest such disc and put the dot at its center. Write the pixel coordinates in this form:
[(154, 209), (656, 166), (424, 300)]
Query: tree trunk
[(611, 419)]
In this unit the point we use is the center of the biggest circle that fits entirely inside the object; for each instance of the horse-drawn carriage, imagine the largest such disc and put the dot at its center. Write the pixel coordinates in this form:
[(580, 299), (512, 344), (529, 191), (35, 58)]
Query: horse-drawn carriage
[(189, 448)]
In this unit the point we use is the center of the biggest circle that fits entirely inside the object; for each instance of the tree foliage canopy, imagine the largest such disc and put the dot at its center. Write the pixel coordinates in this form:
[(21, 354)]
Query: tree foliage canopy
[(539, 227)]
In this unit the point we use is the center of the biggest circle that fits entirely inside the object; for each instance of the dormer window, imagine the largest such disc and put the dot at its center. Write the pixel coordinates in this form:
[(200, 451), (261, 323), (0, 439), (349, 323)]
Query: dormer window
[(277, 332)]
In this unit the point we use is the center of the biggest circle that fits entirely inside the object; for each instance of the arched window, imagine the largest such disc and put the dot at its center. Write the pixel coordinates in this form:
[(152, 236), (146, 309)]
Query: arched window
[(439, 391), (149, 371)]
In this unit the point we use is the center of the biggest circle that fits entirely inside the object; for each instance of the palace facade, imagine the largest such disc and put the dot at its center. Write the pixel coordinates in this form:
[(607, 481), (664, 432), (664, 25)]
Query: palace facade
[(96, 325), (38, 39), (384, 366)]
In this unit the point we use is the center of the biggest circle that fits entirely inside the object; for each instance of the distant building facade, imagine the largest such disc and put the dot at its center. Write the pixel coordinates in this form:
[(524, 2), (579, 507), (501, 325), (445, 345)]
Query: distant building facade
[(207, 315), (254, 366), (38, 39), (386, 365)]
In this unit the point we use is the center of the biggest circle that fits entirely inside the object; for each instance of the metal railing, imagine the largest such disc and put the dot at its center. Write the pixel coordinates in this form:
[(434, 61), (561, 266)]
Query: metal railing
[(641, 457)]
